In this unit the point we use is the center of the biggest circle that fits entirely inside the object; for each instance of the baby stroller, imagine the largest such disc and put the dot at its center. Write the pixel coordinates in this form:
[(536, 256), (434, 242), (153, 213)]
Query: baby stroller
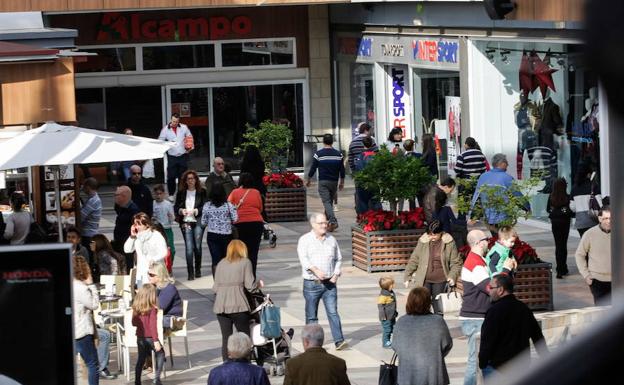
[(272, 353), (269, 235)]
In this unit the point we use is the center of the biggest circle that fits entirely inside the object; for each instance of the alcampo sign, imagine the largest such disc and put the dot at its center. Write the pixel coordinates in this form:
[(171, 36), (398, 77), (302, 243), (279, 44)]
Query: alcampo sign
[(117, 26)]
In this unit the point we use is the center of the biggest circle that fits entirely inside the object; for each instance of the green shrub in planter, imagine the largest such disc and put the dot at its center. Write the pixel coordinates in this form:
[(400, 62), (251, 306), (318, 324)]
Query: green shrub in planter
[(393, 177), (272, 139)]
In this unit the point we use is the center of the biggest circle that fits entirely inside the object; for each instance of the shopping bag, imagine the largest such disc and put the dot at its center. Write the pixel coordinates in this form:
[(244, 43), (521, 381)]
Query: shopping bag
[(450, 301), (148, 169), (388, 372), (270, 322)]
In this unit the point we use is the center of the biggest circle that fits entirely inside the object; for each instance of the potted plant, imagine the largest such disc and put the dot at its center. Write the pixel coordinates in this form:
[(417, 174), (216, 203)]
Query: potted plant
[(273, 139), (286, 196), (383, 240)]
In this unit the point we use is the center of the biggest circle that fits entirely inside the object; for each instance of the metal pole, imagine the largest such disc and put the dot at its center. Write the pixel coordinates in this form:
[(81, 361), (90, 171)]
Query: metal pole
[(616, 175), (57, 193)]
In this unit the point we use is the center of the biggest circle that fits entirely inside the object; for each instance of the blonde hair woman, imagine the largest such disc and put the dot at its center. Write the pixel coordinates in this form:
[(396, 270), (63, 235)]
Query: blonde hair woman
[(168, 297), (144, 317), (233, 275)]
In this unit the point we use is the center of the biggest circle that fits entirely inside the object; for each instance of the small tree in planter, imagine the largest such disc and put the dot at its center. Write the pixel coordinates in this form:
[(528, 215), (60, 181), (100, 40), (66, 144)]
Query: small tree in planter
[(393, 177), (272, 139), (384, 240)]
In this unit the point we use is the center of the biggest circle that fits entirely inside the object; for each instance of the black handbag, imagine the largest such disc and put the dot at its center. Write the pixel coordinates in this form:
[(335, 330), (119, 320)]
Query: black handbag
[(388, 372)]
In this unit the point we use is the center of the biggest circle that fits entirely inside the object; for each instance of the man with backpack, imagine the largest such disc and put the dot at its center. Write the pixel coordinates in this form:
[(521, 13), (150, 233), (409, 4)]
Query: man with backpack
[(365, 199)]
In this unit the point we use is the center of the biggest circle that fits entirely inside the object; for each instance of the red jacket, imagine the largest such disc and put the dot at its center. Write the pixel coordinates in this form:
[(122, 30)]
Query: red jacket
[(146, 324)]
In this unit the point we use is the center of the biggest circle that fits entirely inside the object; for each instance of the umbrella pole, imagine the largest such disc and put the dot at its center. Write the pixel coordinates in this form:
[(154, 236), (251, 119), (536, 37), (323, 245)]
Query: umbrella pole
[(57, 193)]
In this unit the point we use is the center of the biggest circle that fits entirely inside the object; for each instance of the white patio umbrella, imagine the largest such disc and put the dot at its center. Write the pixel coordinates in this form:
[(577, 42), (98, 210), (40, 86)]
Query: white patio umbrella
[(53, 145)]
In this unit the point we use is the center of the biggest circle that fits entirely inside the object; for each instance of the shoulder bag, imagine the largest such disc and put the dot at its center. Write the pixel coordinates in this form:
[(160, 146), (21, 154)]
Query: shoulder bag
[(595, 201), (270, 320), (388, 372), (234, 229), (450, 300)]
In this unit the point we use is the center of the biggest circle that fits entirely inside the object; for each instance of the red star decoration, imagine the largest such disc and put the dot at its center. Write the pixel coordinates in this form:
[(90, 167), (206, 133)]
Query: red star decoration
[(535, 73)]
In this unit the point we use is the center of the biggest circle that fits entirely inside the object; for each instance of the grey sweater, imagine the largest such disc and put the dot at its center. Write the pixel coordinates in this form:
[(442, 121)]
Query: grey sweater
[(421, 343)]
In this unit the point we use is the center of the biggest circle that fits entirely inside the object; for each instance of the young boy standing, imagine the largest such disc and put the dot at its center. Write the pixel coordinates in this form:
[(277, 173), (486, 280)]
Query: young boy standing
[(163, 213), (386, 303), (501, 251)]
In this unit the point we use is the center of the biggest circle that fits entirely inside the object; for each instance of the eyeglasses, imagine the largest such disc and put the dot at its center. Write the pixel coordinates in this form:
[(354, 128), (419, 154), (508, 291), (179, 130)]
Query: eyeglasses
[(484, 239), (494, 287), (151, 275)]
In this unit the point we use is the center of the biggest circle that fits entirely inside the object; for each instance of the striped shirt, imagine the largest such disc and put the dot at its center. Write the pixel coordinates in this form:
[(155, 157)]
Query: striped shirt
[(329, 162), (90, 215), (543, 162), (323, 254), (356, 148), (470, 163)]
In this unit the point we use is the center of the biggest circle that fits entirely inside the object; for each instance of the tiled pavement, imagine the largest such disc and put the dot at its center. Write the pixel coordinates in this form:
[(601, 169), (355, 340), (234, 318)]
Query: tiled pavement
[(280, 271)]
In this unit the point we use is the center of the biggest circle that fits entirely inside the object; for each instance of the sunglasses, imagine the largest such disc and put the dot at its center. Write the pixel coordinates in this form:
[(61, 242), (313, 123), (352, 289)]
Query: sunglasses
[(136, 173), (151, 274)]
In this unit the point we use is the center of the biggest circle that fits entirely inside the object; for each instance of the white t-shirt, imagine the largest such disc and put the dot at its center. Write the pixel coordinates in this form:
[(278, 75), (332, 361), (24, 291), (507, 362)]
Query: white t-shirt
[(190, 206), (163, 212)]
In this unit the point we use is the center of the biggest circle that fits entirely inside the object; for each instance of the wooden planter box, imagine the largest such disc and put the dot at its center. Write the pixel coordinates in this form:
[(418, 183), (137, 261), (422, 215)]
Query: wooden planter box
[(286, 205), (532, 285), (383, 250)]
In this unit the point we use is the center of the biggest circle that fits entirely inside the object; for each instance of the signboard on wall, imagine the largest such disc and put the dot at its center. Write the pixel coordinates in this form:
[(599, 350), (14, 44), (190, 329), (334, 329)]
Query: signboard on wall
[(397, 94), (422, 51), (453, 122)]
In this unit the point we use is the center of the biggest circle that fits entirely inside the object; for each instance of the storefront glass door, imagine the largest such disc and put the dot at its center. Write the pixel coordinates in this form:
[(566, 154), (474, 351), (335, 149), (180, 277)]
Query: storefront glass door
[(218, 116)]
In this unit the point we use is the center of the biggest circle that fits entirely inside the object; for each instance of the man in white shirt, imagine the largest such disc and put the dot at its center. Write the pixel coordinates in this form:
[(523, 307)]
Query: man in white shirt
[(321, 260), (177, 157)]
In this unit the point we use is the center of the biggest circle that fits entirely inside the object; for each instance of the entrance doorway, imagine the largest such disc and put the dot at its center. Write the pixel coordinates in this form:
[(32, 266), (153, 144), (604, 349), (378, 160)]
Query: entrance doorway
[(218, 116)]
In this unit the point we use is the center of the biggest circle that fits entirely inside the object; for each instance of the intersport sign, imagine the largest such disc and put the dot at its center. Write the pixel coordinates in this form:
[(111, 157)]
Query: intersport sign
[(117, 26)]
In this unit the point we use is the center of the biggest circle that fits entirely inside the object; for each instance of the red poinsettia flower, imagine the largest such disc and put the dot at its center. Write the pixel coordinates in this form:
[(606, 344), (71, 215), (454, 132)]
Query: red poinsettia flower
[(282, 180), (375, 220)]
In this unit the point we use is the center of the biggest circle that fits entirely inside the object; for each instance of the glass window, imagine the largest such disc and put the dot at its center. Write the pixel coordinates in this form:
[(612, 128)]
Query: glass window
[(254, 104), (541, 103), (109, 60), (179, 56), (357, 101), (258, 53)]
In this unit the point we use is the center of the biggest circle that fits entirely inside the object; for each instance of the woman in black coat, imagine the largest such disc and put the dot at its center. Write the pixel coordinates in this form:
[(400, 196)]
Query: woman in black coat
[(560, 215)]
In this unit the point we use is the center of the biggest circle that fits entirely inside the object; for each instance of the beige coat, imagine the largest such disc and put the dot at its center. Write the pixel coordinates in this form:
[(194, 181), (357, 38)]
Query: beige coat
[(231, 280), (416, 269)]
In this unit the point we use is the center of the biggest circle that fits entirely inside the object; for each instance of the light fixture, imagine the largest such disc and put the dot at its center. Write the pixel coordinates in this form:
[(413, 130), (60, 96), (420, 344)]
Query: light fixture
[(505, 56), (489, 53)]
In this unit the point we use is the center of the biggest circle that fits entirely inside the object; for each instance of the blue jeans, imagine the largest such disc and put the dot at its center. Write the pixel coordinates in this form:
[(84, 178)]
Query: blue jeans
[(193, 234), (365, 200), (103, 350), (85, 346), (313, 292), (387, 327), (470, 328), (488, 371)]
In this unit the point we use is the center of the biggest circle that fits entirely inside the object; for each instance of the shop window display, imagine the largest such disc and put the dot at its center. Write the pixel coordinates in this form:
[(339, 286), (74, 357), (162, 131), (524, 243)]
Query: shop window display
[(547, 111)]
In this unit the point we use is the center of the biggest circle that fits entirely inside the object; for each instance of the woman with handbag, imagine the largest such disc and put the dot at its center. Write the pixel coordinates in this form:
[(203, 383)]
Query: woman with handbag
[(560, 215), (584, 192), (218, 215), (233, 275), (248, 203), (421, 340), (188, 207), (434, 263)]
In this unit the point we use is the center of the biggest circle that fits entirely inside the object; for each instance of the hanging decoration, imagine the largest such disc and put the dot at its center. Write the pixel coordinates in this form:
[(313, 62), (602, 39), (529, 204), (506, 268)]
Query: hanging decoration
[(535, 73)]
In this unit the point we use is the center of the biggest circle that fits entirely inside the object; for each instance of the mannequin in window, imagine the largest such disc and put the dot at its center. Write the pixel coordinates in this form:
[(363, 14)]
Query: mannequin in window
[(526, 118)]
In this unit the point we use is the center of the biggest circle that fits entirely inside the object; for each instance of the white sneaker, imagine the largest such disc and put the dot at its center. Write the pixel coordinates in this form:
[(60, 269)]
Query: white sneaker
[(336, 207)]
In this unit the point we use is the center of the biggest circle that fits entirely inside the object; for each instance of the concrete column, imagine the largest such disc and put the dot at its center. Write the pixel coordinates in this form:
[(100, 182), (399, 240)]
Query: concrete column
[(320, 70)]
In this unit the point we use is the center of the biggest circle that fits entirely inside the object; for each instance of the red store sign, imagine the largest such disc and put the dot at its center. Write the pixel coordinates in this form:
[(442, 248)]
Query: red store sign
[(117, 27)]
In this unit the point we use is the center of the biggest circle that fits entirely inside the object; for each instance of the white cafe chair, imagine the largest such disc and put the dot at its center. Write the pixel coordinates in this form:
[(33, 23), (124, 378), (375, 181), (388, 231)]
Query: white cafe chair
[(181, 333)]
